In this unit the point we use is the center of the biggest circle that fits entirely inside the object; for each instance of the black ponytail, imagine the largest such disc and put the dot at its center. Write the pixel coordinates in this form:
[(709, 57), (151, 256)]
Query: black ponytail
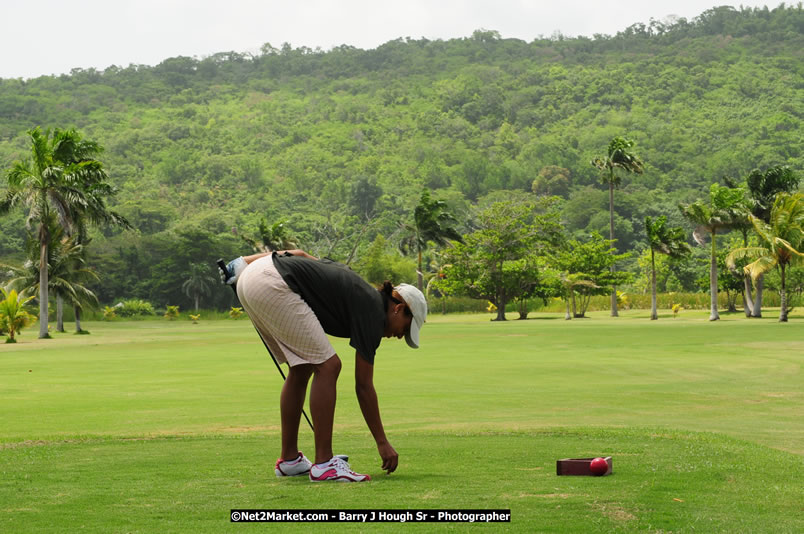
[(386, 290)]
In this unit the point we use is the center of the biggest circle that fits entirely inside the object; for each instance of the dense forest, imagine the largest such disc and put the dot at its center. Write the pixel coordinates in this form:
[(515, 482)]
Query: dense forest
[(338, 145)]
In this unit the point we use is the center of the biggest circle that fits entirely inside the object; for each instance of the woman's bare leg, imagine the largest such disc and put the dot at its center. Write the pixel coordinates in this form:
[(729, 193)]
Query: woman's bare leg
[(323, 394), (291, 403)]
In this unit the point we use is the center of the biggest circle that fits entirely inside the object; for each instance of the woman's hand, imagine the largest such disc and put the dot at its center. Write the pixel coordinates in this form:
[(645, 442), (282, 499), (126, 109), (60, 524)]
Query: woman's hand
[(296, 252), (390, 458)]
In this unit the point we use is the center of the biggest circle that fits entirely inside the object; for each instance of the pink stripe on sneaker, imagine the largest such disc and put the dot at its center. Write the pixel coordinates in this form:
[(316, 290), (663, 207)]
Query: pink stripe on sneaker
[(326, 474)]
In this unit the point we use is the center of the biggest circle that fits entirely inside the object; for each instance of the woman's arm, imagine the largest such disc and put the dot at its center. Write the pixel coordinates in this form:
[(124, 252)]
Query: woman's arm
[(367, 398), (255, 257), (295, 252)]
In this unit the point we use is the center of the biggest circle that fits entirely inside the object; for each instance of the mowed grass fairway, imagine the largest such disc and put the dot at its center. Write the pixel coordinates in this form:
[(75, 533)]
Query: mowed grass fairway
[(157, 426)]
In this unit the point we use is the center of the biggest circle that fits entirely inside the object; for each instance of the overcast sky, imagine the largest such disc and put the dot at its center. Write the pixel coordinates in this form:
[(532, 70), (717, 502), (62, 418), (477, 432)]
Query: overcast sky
[(53, 36)]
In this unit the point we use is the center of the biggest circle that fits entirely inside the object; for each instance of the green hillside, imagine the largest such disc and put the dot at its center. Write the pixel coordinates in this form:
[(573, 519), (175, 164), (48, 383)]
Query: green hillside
[(340, 143)]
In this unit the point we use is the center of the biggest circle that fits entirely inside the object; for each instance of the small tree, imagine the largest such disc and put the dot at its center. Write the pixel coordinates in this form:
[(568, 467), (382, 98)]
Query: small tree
[(13, 315), (432, 223), (590, 261), (763, 186), (781, 242), (197, 283), (492, 260), (532, 278), (569, 283)]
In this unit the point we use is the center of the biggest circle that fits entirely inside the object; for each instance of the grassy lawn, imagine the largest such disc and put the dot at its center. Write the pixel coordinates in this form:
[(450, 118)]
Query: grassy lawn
[(148, 426)]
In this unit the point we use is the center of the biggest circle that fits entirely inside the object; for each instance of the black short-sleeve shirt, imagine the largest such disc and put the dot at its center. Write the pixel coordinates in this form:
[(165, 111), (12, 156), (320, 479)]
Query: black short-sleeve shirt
[(345, 304)]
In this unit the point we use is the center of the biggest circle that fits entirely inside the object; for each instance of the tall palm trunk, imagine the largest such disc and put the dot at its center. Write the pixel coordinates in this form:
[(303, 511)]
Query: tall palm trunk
[(748, 301), (44, 237), (196, 302), (59, 314), (501, 297), (713, 315), (653, 313), (783, 297), (760, 284), (77, 311), (611, 236)]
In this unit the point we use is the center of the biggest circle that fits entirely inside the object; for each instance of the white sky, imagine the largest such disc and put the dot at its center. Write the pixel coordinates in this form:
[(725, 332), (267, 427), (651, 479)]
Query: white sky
[(53, 36)]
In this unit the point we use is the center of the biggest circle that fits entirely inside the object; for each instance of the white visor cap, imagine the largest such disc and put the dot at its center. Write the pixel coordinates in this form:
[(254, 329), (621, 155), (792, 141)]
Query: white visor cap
[(418, 306)]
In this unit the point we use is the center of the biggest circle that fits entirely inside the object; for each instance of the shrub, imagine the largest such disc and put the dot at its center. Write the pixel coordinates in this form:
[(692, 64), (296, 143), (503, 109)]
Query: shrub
[(633, 301), (195, 318), (109, 313), (13, 314), (453, 304), (171, 313), (623, 301), (235, 312), (134, 308)]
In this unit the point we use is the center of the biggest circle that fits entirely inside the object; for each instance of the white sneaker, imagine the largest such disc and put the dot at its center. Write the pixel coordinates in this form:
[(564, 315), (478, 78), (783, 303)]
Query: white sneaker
[(293, 468), (335, 470)]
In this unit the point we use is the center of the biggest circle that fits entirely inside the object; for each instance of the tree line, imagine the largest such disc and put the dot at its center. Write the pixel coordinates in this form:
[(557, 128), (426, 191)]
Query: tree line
[(208, 156), (518, 248)]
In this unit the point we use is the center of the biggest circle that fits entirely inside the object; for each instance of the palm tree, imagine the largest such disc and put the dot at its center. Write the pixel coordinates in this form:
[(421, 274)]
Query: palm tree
[(13, 315), (432, 223), (197, 283), (781, 242), (67, 278), (60, 179), (744, 226), (618, 156), (67, 274), (76, 274), (720, 215), (569, 282), (763, 188), (670, 241), (270, 238)]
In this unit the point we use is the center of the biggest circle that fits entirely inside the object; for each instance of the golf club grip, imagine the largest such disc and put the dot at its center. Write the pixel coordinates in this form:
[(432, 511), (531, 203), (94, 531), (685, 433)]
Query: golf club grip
[(222, 266), (226, 273)]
